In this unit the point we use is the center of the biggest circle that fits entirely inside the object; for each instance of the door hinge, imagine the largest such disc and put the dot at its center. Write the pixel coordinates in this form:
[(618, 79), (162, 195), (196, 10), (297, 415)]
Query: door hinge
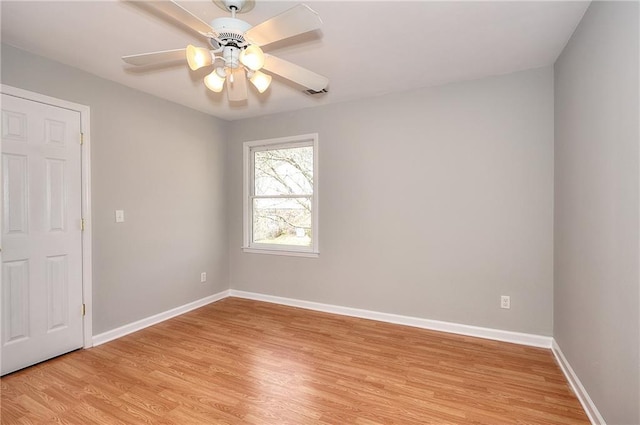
[(82, 224), (82, 138), (84, 309)]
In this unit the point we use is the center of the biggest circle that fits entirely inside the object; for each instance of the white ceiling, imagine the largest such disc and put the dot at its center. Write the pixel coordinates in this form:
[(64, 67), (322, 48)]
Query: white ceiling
[(366, 48)]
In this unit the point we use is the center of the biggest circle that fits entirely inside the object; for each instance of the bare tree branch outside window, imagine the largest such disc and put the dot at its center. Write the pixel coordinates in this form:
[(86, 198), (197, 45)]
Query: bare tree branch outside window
[(283, 196)]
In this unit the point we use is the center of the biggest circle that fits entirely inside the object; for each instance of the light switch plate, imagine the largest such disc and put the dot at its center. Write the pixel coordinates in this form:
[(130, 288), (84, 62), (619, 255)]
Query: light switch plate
[(119, 216)]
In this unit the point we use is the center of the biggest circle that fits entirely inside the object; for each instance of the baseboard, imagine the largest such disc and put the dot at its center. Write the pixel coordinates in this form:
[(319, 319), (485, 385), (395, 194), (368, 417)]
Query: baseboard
[(456, 328), (589, 407), (157, 318)]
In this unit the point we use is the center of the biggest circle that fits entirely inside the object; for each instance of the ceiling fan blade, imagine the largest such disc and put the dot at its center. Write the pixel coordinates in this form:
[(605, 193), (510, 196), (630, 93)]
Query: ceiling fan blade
[(182, 15), (295, 73), (237, 85), (297, 20), (153, 58)]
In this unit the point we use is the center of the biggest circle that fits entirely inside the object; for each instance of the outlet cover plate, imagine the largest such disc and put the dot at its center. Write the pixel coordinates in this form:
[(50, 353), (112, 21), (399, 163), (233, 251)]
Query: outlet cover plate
[(505, 301)]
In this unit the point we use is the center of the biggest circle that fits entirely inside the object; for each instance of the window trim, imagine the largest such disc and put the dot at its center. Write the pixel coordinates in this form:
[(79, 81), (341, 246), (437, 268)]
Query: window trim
[(247, 192)]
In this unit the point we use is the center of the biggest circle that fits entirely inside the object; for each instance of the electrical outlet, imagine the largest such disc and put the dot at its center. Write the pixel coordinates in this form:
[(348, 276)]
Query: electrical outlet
[(203, 277), (505, 301)]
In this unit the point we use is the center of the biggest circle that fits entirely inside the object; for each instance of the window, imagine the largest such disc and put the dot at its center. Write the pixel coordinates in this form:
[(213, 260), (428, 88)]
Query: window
[(281, 196)]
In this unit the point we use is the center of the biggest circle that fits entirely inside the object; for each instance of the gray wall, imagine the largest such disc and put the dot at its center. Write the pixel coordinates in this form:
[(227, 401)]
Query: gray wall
[(433, 203), (163, 164), (596, 298)]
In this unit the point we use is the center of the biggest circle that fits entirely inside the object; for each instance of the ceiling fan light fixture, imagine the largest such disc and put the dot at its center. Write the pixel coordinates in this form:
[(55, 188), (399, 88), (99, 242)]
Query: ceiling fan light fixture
[(197, 57), (260, 80), (252, 57), (214, 81), (236, 48)]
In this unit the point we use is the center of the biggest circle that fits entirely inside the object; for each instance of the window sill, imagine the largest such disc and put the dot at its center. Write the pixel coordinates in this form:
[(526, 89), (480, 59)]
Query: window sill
[(308, 254)]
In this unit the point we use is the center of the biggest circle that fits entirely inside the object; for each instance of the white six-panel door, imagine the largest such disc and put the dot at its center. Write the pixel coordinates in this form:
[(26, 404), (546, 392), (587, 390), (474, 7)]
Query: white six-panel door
[(41, 292)]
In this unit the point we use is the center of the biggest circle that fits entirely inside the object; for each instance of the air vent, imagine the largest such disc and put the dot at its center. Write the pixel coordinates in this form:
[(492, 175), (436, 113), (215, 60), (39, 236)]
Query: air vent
[(311, 92)]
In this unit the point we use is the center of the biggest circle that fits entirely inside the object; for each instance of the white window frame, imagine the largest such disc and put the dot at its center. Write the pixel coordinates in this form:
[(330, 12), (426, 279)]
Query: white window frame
[(248, 194)]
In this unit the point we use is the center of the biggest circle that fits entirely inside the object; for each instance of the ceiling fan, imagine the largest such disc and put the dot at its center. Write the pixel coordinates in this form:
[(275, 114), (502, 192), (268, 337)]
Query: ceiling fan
[(235, 48)]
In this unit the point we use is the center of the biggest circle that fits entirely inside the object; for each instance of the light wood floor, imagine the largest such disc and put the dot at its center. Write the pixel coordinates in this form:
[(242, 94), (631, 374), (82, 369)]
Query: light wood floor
[(246, 362)]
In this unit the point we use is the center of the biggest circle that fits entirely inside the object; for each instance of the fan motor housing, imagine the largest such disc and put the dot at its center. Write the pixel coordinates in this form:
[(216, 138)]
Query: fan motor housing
[(230, 30)]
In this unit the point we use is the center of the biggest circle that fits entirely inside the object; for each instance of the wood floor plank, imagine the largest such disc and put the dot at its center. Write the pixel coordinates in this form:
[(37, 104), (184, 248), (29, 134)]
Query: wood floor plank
[(246, 362)]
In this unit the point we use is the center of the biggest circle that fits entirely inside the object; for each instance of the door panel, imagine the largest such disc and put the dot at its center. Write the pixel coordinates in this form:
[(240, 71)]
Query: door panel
[(41, 235), (14, 169), (15, 296)]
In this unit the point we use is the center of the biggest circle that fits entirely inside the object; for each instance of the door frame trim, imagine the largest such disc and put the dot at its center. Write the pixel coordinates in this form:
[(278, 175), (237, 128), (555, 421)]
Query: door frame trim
[(85, 120)]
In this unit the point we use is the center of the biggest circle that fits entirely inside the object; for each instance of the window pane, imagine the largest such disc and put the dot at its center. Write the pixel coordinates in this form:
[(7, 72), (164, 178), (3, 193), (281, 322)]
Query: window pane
[(282, 221), (284, 171)]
